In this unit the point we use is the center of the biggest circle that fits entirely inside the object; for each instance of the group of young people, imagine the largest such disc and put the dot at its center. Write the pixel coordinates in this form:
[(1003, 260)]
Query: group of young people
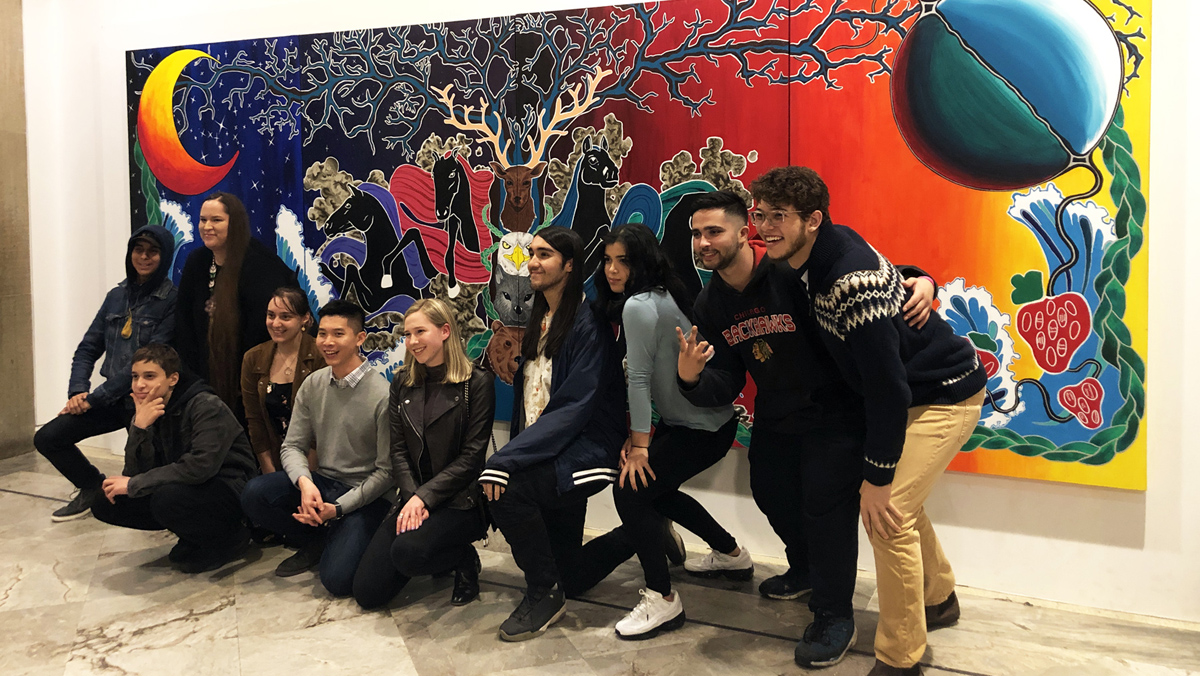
[(864, 396)]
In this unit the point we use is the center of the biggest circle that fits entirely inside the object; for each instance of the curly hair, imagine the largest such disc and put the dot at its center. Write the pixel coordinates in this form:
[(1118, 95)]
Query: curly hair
[(798, 187)]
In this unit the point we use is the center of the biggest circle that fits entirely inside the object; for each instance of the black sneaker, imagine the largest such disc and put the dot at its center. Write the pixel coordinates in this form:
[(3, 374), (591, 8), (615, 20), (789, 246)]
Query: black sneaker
[(884, 669), (676, 552), (785, 587), (538, 610), (944, 614), (204, 561), (182, 551), (79, 506), (825, 641), (305, 559), (466, 580)]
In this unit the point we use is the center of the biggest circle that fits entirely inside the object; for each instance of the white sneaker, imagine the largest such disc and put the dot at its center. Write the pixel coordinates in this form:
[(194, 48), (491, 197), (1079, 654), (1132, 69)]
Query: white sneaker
[(651, 615), (716, 564)]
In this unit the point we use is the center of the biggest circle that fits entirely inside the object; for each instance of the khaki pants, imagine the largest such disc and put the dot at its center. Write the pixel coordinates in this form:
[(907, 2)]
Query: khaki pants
[(911, 569)]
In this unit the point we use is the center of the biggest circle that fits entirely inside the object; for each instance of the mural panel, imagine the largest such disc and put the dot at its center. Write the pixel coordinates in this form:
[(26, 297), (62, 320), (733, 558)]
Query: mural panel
[(1001, 146)]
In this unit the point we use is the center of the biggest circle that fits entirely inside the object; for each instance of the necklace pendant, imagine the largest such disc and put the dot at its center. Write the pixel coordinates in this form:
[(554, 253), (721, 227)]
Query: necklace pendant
[(127, 330)]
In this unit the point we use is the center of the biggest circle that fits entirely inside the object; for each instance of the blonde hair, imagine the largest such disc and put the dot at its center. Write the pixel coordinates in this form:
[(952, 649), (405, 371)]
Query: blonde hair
[(458, 366)]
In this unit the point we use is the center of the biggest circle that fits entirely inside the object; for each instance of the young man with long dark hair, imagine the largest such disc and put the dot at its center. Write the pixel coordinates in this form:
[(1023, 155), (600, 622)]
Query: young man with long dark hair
[(567, 431), (641, 293)]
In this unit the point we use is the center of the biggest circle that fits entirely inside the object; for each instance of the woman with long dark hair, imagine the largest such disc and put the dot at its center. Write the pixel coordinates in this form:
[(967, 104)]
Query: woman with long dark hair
[(641, 293), (223, 295)]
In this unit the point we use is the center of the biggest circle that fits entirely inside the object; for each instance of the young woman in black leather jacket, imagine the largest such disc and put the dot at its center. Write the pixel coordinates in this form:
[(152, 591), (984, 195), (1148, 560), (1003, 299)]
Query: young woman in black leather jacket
[(441, 411)]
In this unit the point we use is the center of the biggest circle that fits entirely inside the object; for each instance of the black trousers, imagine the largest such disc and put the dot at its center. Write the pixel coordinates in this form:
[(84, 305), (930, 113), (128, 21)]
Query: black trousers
[(543, 528), (441, 543), (57, 439), (205, 515), (808, 486), (676, 455)]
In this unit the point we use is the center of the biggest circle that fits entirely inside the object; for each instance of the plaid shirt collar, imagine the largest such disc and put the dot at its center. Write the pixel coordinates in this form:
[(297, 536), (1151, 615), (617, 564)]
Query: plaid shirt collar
[(353, 378)]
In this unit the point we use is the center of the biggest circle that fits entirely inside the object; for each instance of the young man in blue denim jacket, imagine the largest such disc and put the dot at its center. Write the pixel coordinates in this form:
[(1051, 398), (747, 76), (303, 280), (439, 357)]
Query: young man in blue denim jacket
[(138, 311)]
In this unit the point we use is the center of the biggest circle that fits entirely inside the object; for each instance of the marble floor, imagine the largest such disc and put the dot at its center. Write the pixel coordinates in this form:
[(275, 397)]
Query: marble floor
[(85, 598)]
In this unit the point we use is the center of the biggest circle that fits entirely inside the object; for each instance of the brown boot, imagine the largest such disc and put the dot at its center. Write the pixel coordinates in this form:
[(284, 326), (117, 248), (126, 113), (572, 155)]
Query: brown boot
[(882, 669), (943, 614)]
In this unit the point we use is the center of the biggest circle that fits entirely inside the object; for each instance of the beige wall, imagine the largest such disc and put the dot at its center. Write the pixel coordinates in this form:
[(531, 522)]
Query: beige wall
[(16, 311)]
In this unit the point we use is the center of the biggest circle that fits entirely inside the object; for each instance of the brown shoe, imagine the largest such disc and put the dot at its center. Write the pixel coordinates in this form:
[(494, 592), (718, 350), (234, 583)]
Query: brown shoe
[(943, 614), (882, 669)]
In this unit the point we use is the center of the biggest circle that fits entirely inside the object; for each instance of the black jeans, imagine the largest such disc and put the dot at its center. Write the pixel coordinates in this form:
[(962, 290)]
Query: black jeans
[(270, 500), (543, 528), (205, 515), (676, 455), (441, 543), (808, 487), (57, 439)]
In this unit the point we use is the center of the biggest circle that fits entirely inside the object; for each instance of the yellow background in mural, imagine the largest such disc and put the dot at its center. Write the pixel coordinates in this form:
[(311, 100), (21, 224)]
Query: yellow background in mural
[(1128, 469)]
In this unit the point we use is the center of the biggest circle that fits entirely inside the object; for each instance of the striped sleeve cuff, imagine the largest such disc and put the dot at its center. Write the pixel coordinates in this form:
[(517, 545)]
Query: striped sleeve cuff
[(494, 476), (589, 475)]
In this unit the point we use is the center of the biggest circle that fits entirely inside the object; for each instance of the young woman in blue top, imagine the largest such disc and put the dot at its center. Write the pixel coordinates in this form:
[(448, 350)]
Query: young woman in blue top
[(641, 293)]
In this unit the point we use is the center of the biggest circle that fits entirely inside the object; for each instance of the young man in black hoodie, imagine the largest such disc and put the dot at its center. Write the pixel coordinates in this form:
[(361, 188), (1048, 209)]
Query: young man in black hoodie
[(138, 311), (805, 448), (567, 430), (186, 462), (922, 388)]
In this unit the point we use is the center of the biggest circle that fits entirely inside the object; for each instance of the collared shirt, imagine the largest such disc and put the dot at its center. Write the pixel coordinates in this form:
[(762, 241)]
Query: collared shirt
[(353, 378), (538, 374)]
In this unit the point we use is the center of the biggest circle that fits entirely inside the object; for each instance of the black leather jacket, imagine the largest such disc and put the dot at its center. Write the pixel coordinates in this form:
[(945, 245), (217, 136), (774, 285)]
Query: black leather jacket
[(456, 443)]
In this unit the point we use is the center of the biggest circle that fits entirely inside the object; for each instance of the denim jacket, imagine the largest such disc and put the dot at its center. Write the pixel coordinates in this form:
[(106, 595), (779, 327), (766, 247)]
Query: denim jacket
[(153, 322)]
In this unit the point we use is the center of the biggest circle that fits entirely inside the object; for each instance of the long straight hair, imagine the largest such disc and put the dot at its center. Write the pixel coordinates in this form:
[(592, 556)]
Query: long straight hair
[(224, 327), (570, 246), (458, 366), (649, 270)]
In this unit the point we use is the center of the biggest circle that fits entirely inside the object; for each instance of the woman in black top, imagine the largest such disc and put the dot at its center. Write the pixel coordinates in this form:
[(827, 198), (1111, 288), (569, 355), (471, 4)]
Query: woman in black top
[(441, 411), (223, 295)]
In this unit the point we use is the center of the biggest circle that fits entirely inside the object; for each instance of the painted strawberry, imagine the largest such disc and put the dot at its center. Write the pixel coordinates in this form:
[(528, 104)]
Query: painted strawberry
[(991, 364), (1083, 401), (1055, 327)]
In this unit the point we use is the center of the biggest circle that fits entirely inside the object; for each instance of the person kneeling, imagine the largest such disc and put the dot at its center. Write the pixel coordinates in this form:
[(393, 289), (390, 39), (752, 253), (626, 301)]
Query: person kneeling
[(186, 460), (441, 413), (341, 410)]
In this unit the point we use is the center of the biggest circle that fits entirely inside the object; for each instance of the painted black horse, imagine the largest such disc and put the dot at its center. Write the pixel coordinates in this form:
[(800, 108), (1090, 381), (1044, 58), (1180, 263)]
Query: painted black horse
[(377, 279), (452, 201)]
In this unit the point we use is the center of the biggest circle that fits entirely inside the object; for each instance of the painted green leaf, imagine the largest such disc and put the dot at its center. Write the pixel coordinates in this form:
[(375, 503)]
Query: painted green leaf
[(983, 341), (1027, 287)]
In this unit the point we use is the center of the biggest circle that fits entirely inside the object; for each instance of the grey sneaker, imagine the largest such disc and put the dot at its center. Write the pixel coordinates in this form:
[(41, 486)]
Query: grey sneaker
[(537, 611), (79, 506)]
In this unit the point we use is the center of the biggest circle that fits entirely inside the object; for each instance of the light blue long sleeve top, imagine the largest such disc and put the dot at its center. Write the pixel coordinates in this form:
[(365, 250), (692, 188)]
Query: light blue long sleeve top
[(649, 320)]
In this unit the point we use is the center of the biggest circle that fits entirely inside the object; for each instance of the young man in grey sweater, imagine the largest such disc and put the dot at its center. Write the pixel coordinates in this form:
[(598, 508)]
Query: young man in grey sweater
[(341, 411)]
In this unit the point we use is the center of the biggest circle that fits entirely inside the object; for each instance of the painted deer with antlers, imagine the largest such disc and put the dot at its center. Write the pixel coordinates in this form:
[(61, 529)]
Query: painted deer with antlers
[(519, 210)]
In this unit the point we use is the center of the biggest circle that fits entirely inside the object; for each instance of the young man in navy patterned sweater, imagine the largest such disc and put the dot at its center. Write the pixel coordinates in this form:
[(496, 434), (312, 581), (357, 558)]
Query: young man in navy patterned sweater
[(922, 388)]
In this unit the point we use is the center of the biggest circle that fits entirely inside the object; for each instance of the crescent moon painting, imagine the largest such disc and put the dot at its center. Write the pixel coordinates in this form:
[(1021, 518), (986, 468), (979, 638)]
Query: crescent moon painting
[(171, 164)]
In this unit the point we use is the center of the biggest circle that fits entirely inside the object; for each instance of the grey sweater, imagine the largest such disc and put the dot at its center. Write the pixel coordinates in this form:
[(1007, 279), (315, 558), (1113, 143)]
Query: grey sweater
[(349, 428), (649, 320)]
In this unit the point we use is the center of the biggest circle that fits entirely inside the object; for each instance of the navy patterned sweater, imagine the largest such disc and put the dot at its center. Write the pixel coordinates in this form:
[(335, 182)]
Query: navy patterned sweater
[(855, 300)]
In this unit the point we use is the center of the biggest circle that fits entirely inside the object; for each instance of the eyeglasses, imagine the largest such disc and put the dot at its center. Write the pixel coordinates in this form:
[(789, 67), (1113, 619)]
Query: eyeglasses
[(775, 217)]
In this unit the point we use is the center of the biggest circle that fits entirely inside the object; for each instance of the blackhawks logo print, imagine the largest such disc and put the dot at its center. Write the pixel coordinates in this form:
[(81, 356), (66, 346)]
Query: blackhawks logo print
[(761, 350)]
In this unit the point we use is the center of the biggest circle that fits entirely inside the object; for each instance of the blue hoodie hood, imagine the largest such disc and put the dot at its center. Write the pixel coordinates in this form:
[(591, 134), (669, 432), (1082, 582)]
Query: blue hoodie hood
[(166, 244)]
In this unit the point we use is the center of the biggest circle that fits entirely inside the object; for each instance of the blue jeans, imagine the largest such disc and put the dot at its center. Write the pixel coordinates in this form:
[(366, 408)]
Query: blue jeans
[(270, 501)]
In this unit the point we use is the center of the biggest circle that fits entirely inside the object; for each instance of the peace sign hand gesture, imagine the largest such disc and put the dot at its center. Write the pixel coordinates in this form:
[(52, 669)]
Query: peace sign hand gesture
[(693, 355)]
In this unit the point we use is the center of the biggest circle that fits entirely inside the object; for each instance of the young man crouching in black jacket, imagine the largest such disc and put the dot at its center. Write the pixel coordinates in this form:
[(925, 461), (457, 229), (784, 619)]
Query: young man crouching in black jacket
[(186, 462)]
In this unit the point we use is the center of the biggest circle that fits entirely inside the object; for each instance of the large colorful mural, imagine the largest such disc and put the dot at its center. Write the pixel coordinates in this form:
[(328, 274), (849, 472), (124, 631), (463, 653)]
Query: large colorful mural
[(1001, 146)]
